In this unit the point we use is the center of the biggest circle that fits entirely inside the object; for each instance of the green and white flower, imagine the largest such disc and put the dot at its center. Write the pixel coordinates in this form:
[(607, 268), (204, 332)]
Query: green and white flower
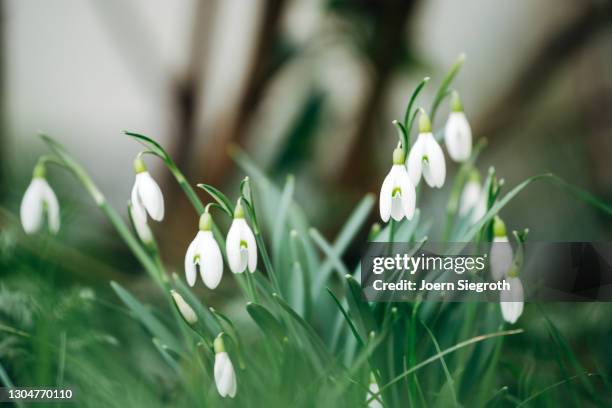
[(397, 194), (426, 157), (225, 376), (240, 244), (146, 196), (473, 198), (501, 251), (458, 133), (204, 254), (39, 199)]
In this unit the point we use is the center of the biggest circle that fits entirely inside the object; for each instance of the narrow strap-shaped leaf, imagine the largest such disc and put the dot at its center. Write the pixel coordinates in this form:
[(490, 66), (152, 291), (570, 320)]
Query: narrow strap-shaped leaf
[(266, 321), (408, 116), (278, 232), (347, 318), (219, 197), (444, 86), (144, 316), (359, 307)]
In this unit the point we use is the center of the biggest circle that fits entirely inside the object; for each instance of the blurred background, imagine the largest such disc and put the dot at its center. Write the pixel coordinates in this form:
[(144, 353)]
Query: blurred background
[(305, 87)]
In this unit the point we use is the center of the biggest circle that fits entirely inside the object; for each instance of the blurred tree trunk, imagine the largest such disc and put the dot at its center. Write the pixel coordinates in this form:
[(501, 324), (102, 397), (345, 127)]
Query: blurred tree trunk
[(215, 162), (387, 50)]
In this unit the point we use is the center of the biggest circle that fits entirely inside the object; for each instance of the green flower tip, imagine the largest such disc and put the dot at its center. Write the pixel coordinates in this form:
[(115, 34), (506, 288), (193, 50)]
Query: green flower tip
[(205, 222), (456, 105), (399, 157), (424, 122), (239, 211), (139, 165), (513, 272), (40, 171), (372, 378), (218, 344), (499, 227), (474, 175)]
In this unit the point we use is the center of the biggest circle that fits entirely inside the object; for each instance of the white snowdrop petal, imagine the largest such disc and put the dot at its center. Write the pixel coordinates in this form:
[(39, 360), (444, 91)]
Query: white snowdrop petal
[(150, 195), (415, 161), (385, 197), (225, 377), (53, 211), (500, 258), (138, 210), (190, 268), (397, 211), (232, 247), (458, 137), (31, 210), (408, 194), (211, 261), (434, 171), (249, 237), (373, 390), (512, 302), (140, 225)]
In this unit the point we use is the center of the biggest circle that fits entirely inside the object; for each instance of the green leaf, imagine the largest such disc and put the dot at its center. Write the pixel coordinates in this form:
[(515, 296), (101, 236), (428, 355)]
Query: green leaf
[(359, 307), (266, 321), (142, 314), (151, 144), (444, 85), (219, 197), (331, 255), (161, 348), (408, 116), (347, 318), (278, 232), (439, 355), (347, 234)]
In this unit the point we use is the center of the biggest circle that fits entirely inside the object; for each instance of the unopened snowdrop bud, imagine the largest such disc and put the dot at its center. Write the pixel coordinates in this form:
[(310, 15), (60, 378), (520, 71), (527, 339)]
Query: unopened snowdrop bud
[(204, 254), (225, 377), (184, 309), (38, 199), (146, 194), (512, 301), (458, 133), (240, 244), (501, 251), (373, 390), (426, 157), (397, 194)]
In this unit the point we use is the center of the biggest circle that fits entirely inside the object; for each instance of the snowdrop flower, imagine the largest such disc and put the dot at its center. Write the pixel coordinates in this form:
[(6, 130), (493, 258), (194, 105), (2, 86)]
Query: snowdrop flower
[(473, 198), (240, 244), (426, 157), (512, 301), (204, 254), (38, 199), (397, 195), (184, 309), (501, 251), (146, 194), (458, 133), (373, 390), (225, 377)]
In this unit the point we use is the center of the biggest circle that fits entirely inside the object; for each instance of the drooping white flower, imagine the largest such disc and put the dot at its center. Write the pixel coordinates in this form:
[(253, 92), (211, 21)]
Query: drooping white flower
[(225, 377), (373, 390), (146, 194), (512, 301), (426, 157), (458, 133), (204, 254), (397, 194), (240, 244), (473, 198), (184, 309), (501, 256), (39, 199)]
